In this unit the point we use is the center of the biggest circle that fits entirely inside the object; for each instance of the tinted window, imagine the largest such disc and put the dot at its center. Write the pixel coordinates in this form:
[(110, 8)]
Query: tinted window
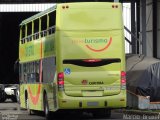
[(44, 23)]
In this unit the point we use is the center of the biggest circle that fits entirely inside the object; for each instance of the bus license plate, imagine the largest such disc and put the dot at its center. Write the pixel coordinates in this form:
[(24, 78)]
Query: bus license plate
[(92, 103)]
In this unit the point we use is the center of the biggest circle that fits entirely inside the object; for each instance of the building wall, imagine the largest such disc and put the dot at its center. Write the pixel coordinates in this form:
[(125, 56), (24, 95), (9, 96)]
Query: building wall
[(149, 28), (24, 7), (127, 23), (158, 33)]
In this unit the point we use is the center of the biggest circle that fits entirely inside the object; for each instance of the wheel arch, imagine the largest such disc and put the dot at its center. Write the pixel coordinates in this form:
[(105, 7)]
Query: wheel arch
[(44, 94), (26, 94)]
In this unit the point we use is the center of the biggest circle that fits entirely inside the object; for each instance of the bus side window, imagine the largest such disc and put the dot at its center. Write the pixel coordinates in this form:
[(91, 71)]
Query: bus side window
[(37, 65), (29, 31), (21, 73), (23, 34), (25, 72), (31, 68), (44, 26), (36, 29), (32, 73), (49, 69), (52, 22)]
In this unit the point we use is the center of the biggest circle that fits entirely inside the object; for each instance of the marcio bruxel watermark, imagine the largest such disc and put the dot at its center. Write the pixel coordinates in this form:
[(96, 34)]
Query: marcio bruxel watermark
[(9, 117), (141, 117)]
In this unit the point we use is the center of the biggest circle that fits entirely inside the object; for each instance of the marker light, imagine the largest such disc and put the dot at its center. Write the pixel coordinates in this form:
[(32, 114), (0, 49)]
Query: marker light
[(63, 7), (114, 6), (60, 81)]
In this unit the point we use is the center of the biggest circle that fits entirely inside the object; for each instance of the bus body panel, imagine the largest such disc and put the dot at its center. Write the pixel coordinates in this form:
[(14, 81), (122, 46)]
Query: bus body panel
[(31, 51), (81, 38), (88, 48), (104, 78), (35, 94), (84, 16), (70, 102)]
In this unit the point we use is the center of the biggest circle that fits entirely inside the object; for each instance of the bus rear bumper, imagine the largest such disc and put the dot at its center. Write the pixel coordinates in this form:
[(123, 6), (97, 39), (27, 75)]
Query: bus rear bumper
[(69, 102)]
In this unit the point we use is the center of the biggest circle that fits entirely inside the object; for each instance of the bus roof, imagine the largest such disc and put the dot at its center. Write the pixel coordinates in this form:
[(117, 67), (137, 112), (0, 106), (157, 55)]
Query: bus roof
[(85, 4), (38, 15)]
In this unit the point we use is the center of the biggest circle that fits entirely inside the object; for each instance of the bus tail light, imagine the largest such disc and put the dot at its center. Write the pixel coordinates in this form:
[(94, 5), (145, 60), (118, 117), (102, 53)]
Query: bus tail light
[(92, 60), (123, 80), (60, 81)]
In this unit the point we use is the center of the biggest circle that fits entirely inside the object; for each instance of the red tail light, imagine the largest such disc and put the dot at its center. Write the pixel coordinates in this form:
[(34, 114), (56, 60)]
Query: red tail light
[(60, 75), (92, 60), (60, 81), (123, 80)]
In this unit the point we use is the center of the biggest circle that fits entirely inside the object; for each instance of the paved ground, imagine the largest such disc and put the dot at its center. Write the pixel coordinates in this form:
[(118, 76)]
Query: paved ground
[(12, 111)]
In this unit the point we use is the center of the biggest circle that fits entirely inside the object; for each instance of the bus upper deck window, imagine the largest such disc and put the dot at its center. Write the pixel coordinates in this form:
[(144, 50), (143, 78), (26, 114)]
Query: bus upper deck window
[(23, 34), (52, 22), (29, 31), (43, 25), (36, 29)]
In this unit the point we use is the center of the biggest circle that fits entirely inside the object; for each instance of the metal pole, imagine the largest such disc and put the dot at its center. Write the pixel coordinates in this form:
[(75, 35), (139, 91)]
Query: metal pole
[(155, 28), (133, 26), (138, 24), (143, 26)]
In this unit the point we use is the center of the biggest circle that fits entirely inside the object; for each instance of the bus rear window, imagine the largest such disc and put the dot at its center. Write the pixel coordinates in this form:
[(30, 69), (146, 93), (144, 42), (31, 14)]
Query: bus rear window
[(92, 62)]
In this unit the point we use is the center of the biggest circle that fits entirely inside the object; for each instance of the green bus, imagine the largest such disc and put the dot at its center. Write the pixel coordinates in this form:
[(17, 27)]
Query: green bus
[(72, 57)]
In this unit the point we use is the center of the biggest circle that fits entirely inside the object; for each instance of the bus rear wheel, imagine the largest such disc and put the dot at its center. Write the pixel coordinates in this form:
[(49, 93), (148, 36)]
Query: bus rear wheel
[(46, 108), (30, 112), (102, 113)]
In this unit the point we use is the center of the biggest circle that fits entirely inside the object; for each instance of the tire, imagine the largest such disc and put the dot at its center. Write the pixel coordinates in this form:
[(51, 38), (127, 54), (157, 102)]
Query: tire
[(30, 112), (47, 113), (102, 113)]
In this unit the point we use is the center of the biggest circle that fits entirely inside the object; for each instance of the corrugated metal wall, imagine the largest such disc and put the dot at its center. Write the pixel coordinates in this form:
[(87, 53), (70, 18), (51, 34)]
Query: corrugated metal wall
[(24, 7), (158, 31), (127, 23), (27, 1)]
